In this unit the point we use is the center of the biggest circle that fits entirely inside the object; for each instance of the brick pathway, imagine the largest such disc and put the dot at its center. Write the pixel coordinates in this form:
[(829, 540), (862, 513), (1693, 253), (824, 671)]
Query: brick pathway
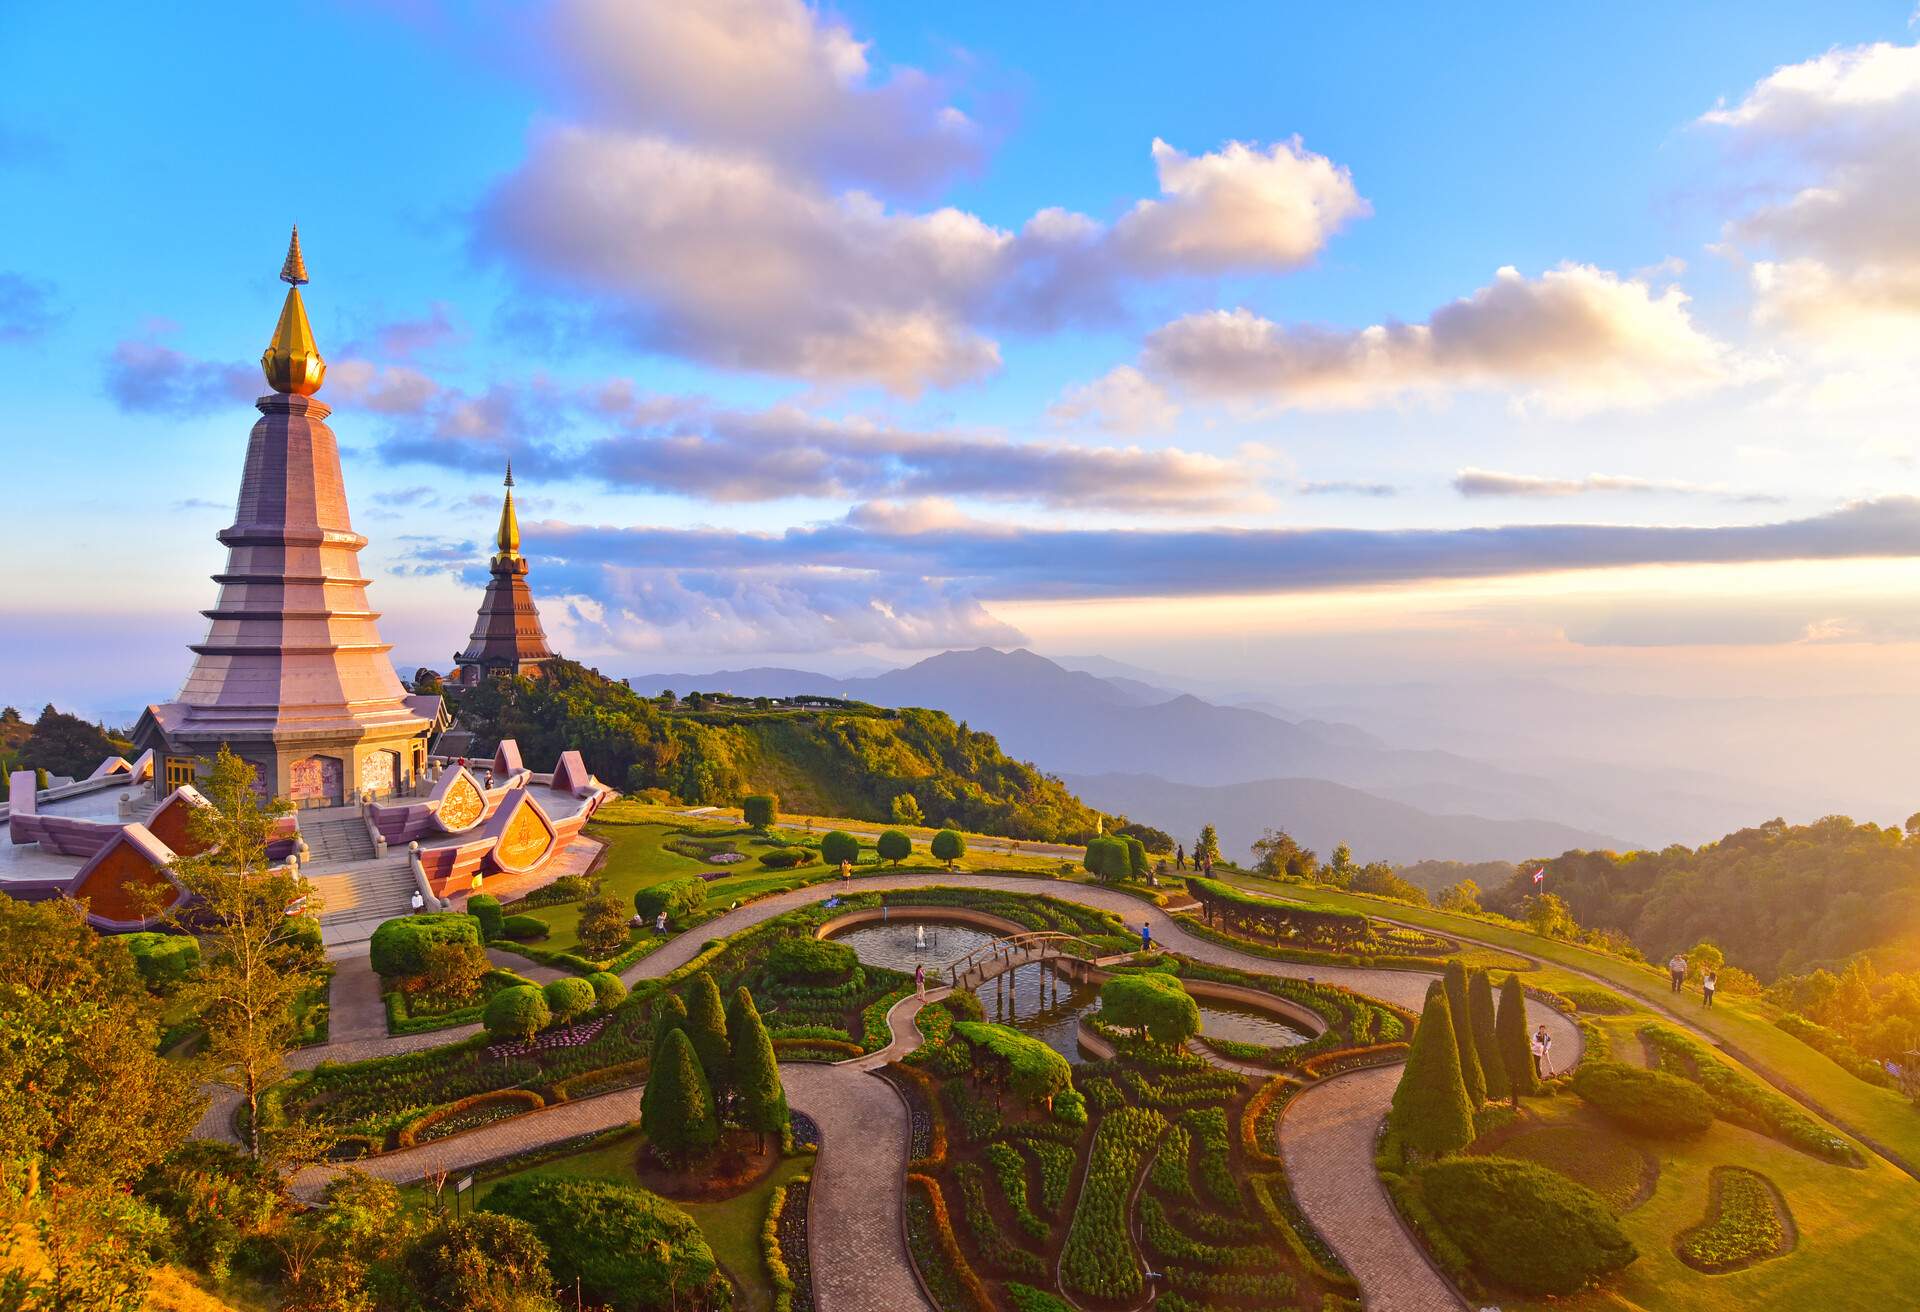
[(1326, 1139)]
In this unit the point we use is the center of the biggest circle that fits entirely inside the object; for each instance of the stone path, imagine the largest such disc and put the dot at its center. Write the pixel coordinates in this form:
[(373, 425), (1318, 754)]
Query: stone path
[(1326, 1140), (538, 972)]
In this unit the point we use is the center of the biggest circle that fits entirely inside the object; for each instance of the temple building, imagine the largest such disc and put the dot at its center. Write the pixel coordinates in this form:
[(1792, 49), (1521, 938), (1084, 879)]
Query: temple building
[(507, 637), (292, 674)]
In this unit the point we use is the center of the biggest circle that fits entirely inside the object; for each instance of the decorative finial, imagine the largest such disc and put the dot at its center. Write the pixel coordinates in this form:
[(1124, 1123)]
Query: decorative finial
[(292, 361), (509, 471), (294, 271), (508, 536)]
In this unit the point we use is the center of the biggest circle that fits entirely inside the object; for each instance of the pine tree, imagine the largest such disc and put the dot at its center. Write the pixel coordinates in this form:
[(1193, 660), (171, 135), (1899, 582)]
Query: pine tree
[(1430, 1109), (676, 1111), (1455, 978), (707, 1027), (761, 1098), (1516, 1050), (1486, 1042), (669, 1013)]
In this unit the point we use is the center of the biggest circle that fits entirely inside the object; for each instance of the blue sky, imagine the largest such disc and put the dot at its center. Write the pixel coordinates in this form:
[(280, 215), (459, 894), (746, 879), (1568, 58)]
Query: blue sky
[(712, 273)]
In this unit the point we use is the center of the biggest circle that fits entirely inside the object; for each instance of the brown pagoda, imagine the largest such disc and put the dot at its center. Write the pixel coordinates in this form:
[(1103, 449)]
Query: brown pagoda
[(292, 674), (507, 637)]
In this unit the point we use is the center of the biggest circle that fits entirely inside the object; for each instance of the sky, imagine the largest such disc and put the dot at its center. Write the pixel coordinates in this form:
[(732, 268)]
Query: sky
[(1276, 345)]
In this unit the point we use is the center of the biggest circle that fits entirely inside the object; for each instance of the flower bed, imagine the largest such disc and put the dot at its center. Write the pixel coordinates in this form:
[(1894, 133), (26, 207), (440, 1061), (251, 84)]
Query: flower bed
[(1260, 1118), (926, 1138), (1208, 1126), (573, 1036), (996, 1249), (1745, 1223), (1290, 1223), (1010, 1172), (1353, 1059), (784, 1241), (803, 1131), (1098, 1260), (607, 1079), (816, 1050), (469, 1114), (943, 1270)]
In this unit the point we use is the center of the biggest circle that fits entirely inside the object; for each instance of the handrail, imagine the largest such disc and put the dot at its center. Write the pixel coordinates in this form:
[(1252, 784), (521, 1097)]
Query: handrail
[(1013, 944)]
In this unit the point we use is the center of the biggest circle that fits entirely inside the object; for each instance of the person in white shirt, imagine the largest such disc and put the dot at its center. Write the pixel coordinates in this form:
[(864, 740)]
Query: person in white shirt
[(1539, 1050)]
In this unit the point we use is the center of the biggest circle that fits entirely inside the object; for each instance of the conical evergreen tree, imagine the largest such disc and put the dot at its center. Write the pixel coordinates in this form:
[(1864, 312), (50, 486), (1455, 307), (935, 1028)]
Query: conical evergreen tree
[(760, 1098), (1430, 1109), (1480, 1015), (669, 1013), (1510, 1031), (1455, 978), (707, 1027), (676, 1111)]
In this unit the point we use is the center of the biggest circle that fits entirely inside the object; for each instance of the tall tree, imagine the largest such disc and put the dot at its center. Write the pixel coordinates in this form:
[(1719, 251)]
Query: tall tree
[(1485, 1026), (676, 1110), (89, 1106), (707, 1027), (1516, 1048), (1430, 1109), (66, 744), (1454, 976), (761, 1099), (260, 949), (1206, 847), (669, 1013)]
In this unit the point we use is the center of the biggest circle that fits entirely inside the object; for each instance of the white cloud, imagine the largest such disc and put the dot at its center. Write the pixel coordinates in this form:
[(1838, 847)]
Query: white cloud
[(385, 389), (1123, 400), (1239, 207), (1846, 125), (1495, 483), (1577, 337), (773, 77)]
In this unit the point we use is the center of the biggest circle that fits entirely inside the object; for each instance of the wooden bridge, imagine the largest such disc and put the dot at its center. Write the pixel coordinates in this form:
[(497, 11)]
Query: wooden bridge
[(1001, 955)]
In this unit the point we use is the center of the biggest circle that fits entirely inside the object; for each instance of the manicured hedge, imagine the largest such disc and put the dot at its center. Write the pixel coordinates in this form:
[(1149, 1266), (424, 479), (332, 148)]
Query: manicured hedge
[(1264, 915), (1031, 1069), (569, 999), (1743, 1101), (787, 858), (810, 961), (524, 929), (1648, 1101), (517, 1013), (628, 1248), (676, 897), (501, 1103), (1525, 1227), (1099, 1259), (163, 960), (1153, 1001), (485, 908), (608, 991), (399, 947)]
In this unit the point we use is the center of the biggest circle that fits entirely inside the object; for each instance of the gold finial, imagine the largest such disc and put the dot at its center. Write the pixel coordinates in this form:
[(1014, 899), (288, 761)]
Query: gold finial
[(508, 538), (295, 269), (292, 361)]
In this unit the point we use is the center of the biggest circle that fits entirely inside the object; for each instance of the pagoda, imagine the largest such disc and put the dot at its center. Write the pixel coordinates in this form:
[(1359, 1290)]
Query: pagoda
[(292, 674), (507, 637)]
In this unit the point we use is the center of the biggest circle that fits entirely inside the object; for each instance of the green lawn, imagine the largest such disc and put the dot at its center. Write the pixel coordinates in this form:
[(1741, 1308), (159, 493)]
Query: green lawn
[(1857, 1247), (732, 1227), (1745, 1023)]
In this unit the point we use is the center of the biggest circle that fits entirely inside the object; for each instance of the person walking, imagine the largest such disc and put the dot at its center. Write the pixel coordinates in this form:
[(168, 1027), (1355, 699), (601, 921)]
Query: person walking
[(920, 980), (1538, 1047), (1708, 983), (1677, 971), (660, 923), (1146, 937), (1180, 857)]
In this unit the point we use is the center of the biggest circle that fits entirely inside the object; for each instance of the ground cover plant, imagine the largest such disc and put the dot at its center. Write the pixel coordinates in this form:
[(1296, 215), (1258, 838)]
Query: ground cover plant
[(1745, 1223)]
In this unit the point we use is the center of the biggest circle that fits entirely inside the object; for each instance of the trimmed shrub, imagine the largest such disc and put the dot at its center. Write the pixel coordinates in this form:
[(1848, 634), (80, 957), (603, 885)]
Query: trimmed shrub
[(787, 858), (669, 1013), (517, 1013), (569, 999), (163, 960), (894, 846), (1153, 1001), (839, 846), (759, 810), (1516, 1048), (810, 961), (1651, 1102), (1525, 1227), (754, 1073), (628, 1248), (486, 1260), (677, 897), (608, 991), (707, 1027), (399, 947), (524, 929), (1454, 976), (1029, 1068), (676, 1111), (1136, 856), (485, 908), (1106, 858), (602, 927), (948, 845), (1430, 1113), (1484, 1023)]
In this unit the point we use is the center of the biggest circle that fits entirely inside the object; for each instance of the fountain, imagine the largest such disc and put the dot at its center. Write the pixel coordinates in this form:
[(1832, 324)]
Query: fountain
[(920, 936)]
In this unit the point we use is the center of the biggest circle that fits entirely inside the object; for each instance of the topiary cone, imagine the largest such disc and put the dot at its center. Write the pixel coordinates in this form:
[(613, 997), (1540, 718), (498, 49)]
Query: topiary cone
[(1510, 1030), (1430, 1109), (1480, 1015), (1454, 977)]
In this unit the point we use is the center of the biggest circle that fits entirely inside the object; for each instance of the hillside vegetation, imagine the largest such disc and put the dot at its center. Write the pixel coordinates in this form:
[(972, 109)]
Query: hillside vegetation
[(845, 760)]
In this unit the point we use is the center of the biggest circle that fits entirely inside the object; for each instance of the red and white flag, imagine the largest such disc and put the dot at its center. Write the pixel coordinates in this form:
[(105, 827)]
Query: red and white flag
[(1540, 875)]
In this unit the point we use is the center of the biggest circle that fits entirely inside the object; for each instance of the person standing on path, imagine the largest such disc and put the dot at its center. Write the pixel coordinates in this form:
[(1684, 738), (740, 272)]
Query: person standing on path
[(1146, 937), (1677, 970), (1708, 983), (920, 980), (1539, 1050)]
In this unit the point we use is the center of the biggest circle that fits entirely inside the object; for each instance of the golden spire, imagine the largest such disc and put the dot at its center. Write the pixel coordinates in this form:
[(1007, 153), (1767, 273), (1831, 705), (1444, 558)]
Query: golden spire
[(292, 361), (508, 538)]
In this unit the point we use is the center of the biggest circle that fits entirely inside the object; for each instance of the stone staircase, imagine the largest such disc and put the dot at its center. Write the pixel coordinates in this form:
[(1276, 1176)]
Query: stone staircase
[(336, 836), (371, 891)]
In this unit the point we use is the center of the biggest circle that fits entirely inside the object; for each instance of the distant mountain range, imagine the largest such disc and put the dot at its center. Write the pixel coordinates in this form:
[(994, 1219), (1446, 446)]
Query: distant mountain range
[(1243, 767)]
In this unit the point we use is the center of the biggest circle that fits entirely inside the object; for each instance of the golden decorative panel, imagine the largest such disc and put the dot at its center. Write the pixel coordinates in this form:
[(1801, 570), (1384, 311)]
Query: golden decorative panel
[(526, 840), (462, 804)]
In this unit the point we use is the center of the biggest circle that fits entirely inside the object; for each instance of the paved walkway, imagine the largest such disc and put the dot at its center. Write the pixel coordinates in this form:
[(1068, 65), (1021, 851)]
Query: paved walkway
[(1326, 1140)]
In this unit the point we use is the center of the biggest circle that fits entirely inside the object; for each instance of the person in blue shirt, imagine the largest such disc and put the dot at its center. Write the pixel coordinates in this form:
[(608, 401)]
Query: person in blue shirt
[(1146, 937)]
